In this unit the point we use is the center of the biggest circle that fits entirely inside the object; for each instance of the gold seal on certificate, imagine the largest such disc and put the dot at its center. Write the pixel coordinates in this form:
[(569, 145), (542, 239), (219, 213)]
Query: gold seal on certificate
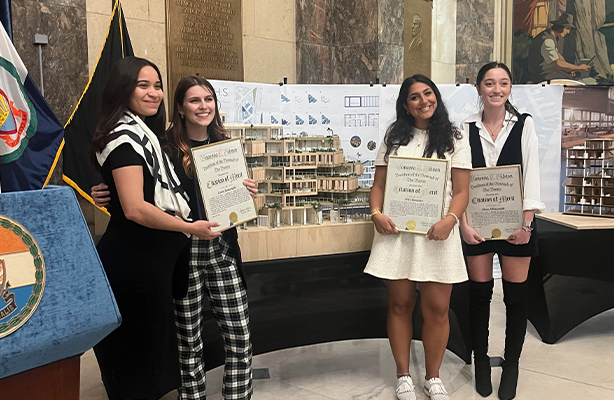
[(495, 201), (220, 170), (415, 192)]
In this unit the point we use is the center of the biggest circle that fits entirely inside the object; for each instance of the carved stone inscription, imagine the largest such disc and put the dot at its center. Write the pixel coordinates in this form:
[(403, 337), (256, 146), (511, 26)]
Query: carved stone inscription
[(204, 37)]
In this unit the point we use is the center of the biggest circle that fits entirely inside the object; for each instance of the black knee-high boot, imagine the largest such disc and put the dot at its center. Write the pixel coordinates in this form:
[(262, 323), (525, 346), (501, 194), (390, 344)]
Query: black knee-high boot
[(479, 316), (515, 299)]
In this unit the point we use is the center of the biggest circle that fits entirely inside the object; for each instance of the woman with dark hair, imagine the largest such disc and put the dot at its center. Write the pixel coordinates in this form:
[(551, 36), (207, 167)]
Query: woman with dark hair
[(215, 265), (435, 260), (145, 236), (500, 135), (215, 272)]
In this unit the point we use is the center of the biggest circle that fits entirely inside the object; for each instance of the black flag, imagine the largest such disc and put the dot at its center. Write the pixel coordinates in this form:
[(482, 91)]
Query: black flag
[(78, 131)]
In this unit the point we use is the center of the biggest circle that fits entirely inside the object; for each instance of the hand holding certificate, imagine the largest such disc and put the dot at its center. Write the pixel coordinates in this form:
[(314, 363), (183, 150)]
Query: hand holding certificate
[(415, 192), (495, 201), (220, 169)]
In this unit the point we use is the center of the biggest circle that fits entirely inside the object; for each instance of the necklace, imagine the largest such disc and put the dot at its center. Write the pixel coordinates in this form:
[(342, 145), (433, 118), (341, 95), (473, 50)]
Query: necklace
[(493, 133)]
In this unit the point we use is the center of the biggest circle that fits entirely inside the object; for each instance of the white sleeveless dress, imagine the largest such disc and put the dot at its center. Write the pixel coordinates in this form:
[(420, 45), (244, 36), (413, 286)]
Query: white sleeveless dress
[(412, 256)]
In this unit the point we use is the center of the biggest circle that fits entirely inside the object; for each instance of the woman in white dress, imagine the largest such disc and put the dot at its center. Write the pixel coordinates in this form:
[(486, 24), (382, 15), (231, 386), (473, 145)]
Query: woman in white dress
[(422, 129)]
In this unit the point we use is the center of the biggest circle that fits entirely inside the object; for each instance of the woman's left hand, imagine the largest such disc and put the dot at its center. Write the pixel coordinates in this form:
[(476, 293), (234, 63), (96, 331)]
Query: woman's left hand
[(441, 230), (252, 186), (520, 236)]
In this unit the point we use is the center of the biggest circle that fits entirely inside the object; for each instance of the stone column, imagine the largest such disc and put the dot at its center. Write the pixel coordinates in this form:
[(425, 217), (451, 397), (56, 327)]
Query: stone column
[(475, 37), (349, 41)]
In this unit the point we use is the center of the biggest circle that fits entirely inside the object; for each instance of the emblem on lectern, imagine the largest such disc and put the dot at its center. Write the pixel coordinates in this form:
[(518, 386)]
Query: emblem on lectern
[(22, 275)]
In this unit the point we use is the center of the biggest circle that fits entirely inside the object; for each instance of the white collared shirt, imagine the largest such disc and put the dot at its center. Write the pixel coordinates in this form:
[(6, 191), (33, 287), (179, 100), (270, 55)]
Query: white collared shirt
[(529, 148)]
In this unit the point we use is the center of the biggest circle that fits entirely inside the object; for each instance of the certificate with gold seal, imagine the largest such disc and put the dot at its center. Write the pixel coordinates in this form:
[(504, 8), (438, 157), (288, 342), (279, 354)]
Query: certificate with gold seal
[(495, 201), (415, 192), (220, 170)]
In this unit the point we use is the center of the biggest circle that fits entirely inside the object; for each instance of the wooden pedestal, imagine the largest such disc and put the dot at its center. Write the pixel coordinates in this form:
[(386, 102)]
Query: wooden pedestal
[(55, 381)]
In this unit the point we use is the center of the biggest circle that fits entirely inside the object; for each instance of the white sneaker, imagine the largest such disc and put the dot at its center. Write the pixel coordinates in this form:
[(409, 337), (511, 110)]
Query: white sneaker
[(435, 390), (405, 388)]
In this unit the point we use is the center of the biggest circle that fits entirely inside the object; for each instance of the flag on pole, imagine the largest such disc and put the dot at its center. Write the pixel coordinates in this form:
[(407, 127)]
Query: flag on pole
[(30, 133), (79, 130)]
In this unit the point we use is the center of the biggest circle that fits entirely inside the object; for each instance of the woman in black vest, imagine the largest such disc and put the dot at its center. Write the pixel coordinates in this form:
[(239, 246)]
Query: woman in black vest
[(500, 135)]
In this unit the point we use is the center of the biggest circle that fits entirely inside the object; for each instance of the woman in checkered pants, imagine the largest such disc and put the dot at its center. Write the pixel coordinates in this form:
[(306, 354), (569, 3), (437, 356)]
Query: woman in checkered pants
[(215, 272), (215, 265)]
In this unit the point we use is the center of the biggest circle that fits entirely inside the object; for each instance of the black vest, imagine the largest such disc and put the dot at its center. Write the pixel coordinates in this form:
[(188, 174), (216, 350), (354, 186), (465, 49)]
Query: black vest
[(511, 153)]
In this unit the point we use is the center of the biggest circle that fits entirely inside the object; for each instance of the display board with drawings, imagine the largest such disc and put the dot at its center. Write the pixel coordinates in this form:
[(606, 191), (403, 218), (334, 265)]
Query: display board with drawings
[(349, 111), (248, 103), (360, 115)]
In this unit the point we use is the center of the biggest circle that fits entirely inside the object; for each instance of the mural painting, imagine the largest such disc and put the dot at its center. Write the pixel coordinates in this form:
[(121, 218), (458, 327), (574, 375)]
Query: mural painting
[(563, 39)]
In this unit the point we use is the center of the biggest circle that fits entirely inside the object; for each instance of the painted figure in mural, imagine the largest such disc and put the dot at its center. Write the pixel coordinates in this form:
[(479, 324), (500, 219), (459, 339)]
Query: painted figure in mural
[(500, 135), (590, 39), (545, 61), (435, 260)]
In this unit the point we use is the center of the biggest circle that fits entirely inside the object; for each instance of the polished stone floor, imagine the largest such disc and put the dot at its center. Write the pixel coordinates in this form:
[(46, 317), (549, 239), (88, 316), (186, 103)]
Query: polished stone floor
[(579, 366)]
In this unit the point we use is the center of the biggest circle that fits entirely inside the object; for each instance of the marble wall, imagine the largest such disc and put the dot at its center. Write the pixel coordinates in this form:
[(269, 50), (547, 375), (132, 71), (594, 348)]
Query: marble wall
[(475, 38), (349, 41), (65, 71), (391, 22), (64, 58), (315, 36)]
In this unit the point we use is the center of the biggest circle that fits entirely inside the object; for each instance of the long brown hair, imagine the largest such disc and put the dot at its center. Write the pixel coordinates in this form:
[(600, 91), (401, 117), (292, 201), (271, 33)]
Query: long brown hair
[(115, 100), (178, 131)]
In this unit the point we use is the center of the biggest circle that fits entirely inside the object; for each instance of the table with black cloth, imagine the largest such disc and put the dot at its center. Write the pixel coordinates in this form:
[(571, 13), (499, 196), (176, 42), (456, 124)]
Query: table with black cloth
[(302, 301), (572, 279)]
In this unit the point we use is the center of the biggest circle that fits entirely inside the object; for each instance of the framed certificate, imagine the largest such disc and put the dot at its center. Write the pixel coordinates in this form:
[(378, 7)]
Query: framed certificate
[(415, 192), (495, 201), (220, 170)]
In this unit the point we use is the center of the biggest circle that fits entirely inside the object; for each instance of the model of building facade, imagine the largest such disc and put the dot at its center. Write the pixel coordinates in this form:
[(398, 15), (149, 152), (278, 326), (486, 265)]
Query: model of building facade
[(297, 174), (589, 187)]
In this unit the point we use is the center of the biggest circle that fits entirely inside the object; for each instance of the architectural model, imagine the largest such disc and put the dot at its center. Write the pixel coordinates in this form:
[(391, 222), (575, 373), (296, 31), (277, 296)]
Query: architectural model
[(297, 175), (589, 187)]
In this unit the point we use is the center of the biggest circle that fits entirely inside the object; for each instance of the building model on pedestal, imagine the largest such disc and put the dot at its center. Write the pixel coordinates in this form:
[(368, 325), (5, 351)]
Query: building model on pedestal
[(298, 174), (589, 187)]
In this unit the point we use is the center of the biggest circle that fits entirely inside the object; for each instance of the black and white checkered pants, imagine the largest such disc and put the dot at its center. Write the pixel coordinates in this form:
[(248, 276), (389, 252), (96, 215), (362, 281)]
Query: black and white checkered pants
[(214, 275)]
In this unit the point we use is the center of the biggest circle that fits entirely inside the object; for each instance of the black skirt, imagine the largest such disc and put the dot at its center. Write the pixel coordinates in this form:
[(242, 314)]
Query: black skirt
[(503, 247)]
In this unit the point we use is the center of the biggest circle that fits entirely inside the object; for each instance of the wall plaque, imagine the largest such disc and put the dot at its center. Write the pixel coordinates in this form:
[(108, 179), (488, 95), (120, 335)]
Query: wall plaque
[(417, 38), (204, 37)]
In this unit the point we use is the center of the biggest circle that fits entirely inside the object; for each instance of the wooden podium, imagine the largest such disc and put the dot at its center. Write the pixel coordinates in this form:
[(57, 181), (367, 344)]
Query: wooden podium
[(55, 381), (40, 359)]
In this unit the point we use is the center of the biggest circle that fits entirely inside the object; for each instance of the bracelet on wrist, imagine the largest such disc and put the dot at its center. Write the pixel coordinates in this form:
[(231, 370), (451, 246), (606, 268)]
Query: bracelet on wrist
[(375, 212), (526, 229), (454, 215)]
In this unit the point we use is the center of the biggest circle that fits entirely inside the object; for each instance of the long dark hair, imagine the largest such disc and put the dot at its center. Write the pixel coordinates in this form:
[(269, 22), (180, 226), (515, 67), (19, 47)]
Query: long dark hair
[(441, 132), (492, 65), (116, 98), (178, 133)]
